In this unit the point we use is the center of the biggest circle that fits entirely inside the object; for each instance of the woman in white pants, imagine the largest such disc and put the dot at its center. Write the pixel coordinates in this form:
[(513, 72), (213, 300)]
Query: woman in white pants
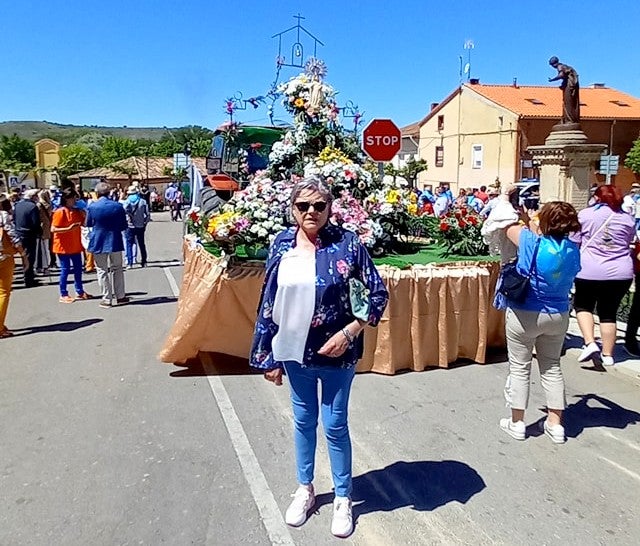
[(541, 318)]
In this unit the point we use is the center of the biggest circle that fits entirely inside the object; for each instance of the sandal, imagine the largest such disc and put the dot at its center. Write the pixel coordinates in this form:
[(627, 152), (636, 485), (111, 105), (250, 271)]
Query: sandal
[(6, 333)]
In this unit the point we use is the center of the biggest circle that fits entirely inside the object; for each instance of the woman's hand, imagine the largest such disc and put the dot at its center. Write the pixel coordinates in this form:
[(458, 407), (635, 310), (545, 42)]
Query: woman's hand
[(275, 376), (335, 346)]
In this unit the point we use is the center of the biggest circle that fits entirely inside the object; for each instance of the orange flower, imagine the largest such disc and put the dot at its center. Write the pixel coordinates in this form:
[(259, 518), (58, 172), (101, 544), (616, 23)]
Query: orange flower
[(299, 103)]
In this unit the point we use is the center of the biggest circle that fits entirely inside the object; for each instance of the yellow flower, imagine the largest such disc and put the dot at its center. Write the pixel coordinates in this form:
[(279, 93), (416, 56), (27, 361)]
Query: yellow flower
[(393, 197), (299, 103), (412, 209), (413, 197)]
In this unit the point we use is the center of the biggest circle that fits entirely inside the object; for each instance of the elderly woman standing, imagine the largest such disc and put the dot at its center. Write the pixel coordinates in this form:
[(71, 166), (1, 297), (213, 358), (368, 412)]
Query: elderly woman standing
[(9, 245), (306, 325), (607, 270)]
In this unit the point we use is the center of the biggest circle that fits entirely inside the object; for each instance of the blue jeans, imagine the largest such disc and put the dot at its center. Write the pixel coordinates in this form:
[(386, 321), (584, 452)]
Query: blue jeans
[(131, 236), (66, 262), (336, 386)]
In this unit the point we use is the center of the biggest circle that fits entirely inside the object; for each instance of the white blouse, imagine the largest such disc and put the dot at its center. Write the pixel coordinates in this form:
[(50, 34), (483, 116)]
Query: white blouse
[(294, 304)]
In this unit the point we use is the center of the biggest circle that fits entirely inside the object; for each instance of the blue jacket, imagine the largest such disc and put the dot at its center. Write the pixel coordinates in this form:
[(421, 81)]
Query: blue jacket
[(137, 212), (339, 256), (108, 220)]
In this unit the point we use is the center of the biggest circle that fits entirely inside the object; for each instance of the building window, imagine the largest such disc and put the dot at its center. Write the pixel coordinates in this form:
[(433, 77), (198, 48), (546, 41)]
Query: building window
[(476, 156), (440, 123), (439, 156)]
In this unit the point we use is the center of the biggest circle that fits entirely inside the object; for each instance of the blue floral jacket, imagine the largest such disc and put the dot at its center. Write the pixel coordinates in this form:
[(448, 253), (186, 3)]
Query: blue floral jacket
[(339, 256)]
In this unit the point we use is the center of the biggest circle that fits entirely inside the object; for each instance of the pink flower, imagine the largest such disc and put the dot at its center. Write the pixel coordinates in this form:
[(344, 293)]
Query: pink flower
[(343, 268)]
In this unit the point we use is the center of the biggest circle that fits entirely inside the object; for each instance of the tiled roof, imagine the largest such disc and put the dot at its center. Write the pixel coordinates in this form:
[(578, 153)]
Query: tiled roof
[(412, 130), (546, 101), (142, 167)]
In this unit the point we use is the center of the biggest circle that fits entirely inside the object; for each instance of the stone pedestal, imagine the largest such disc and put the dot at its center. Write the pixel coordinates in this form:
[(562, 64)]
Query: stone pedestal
[(566, 160)]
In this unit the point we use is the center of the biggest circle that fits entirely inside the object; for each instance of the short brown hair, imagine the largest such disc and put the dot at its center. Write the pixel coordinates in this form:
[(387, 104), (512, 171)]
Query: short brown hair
[(558, 219)]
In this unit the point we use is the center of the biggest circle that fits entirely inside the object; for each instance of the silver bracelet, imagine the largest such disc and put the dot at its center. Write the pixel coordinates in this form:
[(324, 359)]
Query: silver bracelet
[(348, 335)]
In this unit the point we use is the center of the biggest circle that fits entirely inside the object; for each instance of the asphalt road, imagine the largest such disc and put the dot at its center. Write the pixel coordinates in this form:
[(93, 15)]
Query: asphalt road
[(102, 444)]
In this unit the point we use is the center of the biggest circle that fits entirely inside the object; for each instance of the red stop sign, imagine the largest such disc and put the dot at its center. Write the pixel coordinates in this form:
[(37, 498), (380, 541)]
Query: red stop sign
[(381, 140)]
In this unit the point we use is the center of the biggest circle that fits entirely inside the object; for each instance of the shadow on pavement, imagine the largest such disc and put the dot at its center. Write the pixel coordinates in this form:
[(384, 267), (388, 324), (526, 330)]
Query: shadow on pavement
[(58, 327), (154, 301), (214, 364), (422, 485), (581, 415)]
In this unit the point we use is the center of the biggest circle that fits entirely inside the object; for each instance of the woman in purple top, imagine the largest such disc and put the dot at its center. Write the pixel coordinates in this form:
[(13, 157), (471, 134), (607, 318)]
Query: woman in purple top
[(607, 270)]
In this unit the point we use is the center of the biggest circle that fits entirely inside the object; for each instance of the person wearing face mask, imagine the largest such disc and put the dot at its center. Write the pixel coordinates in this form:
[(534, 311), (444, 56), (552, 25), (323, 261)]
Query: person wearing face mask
[(309, 326)]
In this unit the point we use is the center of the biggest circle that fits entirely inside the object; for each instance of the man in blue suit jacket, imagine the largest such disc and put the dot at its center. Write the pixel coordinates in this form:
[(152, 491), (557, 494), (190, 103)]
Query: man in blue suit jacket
[(108, 220)]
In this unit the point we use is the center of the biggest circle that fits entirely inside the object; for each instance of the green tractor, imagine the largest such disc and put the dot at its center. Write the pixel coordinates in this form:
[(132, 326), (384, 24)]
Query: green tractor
[(238, 151)]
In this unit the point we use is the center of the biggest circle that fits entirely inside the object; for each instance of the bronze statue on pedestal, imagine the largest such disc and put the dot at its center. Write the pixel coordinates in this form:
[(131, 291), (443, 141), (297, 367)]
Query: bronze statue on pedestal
[(570, 94)]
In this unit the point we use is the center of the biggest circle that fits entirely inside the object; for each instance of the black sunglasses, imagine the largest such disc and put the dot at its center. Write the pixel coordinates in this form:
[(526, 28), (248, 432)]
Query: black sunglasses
[(304, 206)]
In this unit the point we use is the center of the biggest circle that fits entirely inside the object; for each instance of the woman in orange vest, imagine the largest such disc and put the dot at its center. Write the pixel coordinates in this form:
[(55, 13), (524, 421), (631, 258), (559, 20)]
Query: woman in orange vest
[(67, 244)]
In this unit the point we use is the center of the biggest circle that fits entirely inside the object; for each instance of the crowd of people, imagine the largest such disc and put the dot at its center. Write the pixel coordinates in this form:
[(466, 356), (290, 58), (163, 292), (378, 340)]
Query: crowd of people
[(73, 231), (438, 202)]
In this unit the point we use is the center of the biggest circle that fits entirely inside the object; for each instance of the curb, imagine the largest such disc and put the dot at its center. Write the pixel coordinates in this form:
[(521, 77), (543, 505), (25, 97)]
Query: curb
[(630, 370)]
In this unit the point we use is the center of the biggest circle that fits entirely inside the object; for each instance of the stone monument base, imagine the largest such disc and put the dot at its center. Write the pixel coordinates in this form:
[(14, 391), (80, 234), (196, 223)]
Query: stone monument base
[(566, 161)]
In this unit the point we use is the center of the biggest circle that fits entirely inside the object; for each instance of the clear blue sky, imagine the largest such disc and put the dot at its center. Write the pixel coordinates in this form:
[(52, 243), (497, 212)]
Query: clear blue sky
[(172, 63)]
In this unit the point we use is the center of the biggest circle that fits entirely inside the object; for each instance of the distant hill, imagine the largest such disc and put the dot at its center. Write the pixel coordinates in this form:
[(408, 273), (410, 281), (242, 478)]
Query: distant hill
[(35, 130)]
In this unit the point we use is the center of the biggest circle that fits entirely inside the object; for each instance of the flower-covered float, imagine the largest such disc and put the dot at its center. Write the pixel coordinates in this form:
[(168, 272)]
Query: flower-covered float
[(385, 212)]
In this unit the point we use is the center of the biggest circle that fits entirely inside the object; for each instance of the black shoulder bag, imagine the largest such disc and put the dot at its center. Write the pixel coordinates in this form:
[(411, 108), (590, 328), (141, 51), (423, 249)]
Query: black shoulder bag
[(514, 285)]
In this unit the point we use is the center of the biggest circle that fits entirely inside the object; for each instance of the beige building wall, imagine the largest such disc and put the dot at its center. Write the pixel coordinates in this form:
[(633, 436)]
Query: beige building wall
[(480, 141)]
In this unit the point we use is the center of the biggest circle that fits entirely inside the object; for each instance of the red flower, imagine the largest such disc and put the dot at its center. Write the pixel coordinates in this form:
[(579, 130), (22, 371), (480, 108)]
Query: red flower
[(458, 215), (472, 220), (193, 216), (463, 211), (462, 224), (444, 226)]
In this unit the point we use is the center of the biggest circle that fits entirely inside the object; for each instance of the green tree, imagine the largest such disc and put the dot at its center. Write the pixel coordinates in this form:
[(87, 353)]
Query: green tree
[(95, 141), (115, 148), (75, 158), (16, 153), (173, 142), (409, 172), (632, 161)]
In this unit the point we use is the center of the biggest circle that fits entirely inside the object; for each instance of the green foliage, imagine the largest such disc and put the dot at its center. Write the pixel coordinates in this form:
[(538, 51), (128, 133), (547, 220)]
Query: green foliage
[(409, 172), (16, 154), (76, 158), (632, 160), (116, 148), (93, 140)]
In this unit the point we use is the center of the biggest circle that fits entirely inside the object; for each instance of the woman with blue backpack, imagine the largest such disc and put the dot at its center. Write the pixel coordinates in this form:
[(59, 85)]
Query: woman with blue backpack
[(535, 290)]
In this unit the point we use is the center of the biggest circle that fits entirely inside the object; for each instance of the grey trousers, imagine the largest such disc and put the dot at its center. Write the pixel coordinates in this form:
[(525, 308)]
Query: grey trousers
[(106, 265), (545, 332)]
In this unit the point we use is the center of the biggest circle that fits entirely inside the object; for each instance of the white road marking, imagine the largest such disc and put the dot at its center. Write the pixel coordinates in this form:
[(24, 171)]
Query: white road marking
[(172, 281), (263, 497), (621, 440), (622, 468)]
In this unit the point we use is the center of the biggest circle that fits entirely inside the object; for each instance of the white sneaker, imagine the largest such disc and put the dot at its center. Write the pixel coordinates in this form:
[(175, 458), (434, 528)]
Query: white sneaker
[(515, 430), (342, 522), (588, 351), (303, 501), (607, 360), (555, 432)]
